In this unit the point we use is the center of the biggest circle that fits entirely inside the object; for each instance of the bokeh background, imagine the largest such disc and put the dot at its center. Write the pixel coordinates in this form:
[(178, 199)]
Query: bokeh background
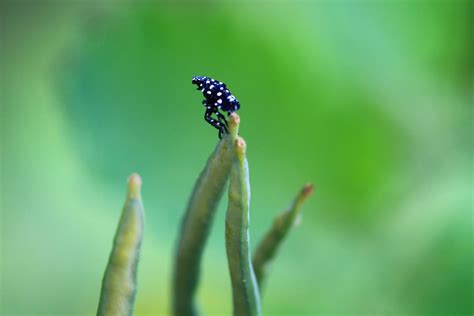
[(369, 100)]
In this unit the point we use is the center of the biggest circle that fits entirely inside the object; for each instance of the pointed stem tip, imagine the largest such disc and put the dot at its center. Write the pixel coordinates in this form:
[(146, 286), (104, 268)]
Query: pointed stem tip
[(307, 189), (234, 119), (240, 146), (134, 185), (234, 122)]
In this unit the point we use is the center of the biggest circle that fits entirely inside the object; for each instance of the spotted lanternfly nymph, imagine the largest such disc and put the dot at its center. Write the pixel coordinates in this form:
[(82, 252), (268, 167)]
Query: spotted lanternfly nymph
[(216, 98)]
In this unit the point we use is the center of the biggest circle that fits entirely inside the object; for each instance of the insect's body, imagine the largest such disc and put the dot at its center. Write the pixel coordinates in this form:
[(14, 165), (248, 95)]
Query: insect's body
[(216, 98)]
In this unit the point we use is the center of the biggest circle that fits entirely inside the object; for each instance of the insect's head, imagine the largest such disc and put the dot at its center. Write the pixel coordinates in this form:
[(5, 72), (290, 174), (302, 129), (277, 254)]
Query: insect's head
[(199, 81)]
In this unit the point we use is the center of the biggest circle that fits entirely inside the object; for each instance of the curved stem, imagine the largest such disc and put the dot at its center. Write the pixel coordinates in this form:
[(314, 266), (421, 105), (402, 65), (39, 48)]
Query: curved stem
[(119, 284), (246, 298), (270, 243), (197, 221)]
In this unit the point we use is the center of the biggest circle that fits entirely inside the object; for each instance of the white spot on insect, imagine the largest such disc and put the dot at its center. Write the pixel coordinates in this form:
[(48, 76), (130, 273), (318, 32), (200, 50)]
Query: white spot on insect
[(212, 86), (219, 101), (212, 120), (221, 88), (226, 90), (219, 94), (208, 92), (207, 81)]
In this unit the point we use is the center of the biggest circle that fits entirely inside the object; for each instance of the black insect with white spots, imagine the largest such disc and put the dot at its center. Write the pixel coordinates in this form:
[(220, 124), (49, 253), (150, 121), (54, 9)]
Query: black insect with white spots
[(217, 97)]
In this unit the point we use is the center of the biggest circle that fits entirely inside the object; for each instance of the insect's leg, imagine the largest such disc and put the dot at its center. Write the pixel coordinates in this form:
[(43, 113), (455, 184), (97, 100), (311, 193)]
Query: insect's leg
[(220, 116), (213, 122), (222, 120), (210, 120)]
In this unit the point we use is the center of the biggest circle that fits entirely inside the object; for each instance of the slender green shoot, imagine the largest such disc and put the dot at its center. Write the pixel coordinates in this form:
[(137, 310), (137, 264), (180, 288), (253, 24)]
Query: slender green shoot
[(245, 295), (198, 219), (119, 284), (270, 243)]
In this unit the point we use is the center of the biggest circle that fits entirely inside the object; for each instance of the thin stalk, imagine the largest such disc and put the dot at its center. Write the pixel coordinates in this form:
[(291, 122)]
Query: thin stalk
[(272, 240), (119, 284), (197, 221), (245, 295)]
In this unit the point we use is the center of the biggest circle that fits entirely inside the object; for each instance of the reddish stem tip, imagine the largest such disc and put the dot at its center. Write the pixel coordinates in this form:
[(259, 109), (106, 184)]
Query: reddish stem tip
[(234, 118), (240, 145), (308, 189)]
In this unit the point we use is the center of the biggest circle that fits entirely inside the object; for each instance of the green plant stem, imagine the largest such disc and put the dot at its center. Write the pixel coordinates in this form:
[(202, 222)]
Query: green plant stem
[(197, 222), (245, 295), (119, 284), (268, 246)]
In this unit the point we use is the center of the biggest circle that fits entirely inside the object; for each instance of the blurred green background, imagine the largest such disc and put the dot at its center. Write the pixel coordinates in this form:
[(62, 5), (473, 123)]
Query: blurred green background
[(369, 100)]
